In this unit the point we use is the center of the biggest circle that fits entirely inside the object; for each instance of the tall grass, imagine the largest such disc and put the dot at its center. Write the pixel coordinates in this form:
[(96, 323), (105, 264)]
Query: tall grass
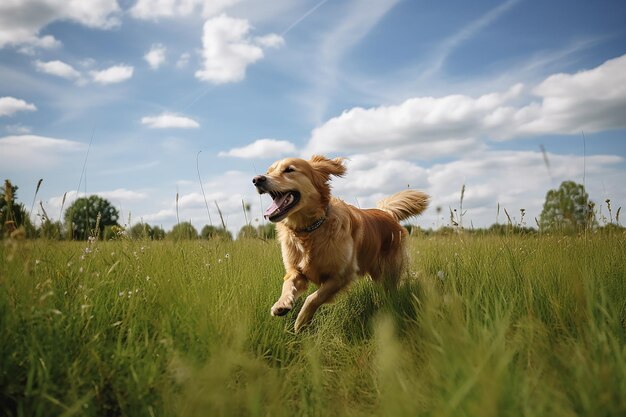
[(485, 326)]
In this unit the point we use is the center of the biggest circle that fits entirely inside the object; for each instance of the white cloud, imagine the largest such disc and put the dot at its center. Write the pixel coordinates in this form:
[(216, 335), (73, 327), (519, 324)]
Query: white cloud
[(270, 41), (156, 56), (417, 120), (155, 9), (18, 129), (21, 21), (262, 148), (58, 68), (44, 42), (183, 60), (227, 189), (11, 105), (517, 180), (169, 120), (112, 75), (513, 179), (22, 152), (122, 194), (591, 101), (373, 176), (227, 50)]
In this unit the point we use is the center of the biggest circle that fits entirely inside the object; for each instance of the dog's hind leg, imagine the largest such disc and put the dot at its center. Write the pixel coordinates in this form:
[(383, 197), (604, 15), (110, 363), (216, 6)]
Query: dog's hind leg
[(293, 287), (324, 294)]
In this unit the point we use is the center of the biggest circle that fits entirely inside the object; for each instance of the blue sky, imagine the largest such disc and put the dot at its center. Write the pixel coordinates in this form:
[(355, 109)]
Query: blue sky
[(431, 95)]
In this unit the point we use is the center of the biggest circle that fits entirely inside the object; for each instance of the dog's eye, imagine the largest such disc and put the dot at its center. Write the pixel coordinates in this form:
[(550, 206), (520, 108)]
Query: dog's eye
[(288, 170)]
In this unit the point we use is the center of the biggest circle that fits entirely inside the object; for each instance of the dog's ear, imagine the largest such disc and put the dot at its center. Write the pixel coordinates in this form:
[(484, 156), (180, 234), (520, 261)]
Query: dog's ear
[(328, 167)]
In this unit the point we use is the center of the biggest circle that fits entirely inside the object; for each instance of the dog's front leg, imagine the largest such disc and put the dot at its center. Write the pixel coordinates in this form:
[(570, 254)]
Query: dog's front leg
[(294, 285)]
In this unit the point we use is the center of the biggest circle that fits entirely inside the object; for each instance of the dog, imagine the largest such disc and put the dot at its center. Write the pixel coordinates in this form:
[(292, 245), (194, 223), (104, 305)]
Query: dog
[(326, 241)]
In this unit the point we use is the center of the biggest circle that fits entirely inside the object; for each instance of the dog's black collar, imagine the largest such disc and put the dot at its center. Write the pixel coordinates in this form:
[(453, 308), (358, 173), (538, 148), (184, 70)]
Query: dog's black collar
[(315, 225)]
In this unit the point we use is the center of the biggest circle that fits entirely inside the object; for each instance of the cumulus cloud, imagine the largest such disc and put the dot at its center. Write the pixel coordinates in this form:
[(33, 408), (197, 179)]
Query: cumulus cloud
[(183, 60), (18, 129), (228, 50), (590, 100), (262, 148), (514, 179), (369, 175), (155, 9), (58, 68), (31, 151), (11, 105), (155, 56), (21, 21), (416, 120), (112, 75), (169, 120), (122, 194), (223, 189), (270, 41)]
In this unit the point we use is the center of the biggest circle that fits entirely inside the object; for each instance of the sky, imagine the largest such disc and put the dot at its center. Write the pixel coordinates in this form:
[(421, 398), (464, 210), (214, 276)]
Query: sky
[(141, 101)]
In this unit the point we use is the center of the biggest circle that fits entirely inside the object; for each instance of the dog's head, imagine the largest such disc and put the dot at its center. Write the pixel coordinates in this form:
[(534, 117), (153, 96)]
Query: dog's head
[(297, 185)]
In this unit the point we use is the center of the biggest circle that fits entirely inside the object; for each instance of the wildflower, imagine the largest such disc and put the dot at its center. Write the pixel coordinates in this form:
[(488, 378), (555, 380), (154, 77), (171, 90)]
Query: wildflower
[(440, 275), (121, 293), (37, 261), (147, 278), (227, 256)]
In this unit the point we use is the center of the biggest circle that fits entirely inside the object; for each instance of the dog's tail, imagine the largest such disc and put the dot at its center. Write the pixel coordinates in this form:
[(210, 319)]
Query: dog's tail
[(404, 204)]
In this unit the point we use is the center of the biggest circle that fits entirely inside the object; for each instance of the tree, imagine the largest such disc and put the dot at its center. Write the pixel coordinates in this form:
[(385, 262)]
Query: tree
[(209, 232), (247, 231), (158, 233), (567, 209), (184, 230), (83, 214), (145, 231), (140, 231), (13, 215), (51, 230), (267, 231)]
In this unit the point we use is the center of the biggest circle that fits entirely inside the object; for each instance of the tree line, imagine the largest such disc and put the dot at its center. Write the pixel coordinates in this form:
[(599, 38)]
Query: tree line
[(566, 209)]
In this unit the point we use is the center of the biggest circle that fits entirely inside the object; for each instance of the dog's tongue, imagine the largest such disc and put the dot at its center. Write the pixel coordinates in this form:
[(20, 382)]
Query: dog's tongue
[(275, 206)]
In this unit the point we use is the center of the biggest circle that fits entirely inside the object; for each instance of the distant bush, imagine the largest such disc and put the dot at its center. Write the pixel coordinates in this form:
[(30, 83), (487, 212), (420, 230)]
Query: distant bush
[(210, 232), (183, 231)]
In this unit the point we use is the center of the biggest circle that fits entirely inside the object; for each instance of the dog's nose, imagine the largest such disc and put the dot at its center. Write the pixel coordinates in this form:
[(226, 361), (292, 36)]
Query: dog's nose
[(259, 179)]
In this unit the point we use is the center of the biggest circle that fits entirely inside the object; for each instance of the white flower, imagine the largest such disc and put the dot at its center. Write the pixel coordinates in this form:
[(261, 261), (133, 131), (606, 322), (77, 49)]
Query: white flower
[(440, 275)]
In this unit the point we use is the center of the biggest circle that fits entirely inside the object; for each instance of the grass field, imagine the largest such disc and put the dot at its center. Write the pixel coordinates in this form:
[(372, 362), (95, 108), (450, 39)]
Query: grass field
[(481, 326)]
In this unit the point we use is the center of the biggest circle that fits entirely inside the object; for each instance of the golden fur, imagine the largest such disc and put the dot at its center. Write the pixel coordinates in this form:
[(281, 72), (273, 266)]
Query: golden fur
[(348, 243)]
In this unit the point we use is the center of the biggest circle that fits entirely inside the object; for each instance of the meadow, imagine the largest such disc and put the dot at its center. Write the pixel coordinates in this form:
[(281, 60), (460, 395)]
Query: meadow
[(508, 325)]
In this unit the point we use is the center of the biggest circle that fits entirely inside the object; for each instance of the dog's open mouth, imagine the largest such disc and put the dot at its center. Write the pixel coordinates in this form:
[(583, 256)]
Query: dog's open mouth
[(282, 204)]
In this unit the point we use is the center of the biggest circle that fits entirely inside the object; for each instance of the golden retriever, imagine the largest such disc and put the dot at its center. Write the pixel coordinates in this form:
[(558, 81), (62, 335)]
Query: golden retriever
[(326, 241)]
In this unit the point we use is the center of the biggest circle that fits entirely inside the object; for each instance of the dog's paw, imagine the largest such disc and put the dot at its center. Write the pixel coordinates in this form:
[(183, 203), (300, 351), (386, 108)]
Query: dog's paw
[(281, 308)]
